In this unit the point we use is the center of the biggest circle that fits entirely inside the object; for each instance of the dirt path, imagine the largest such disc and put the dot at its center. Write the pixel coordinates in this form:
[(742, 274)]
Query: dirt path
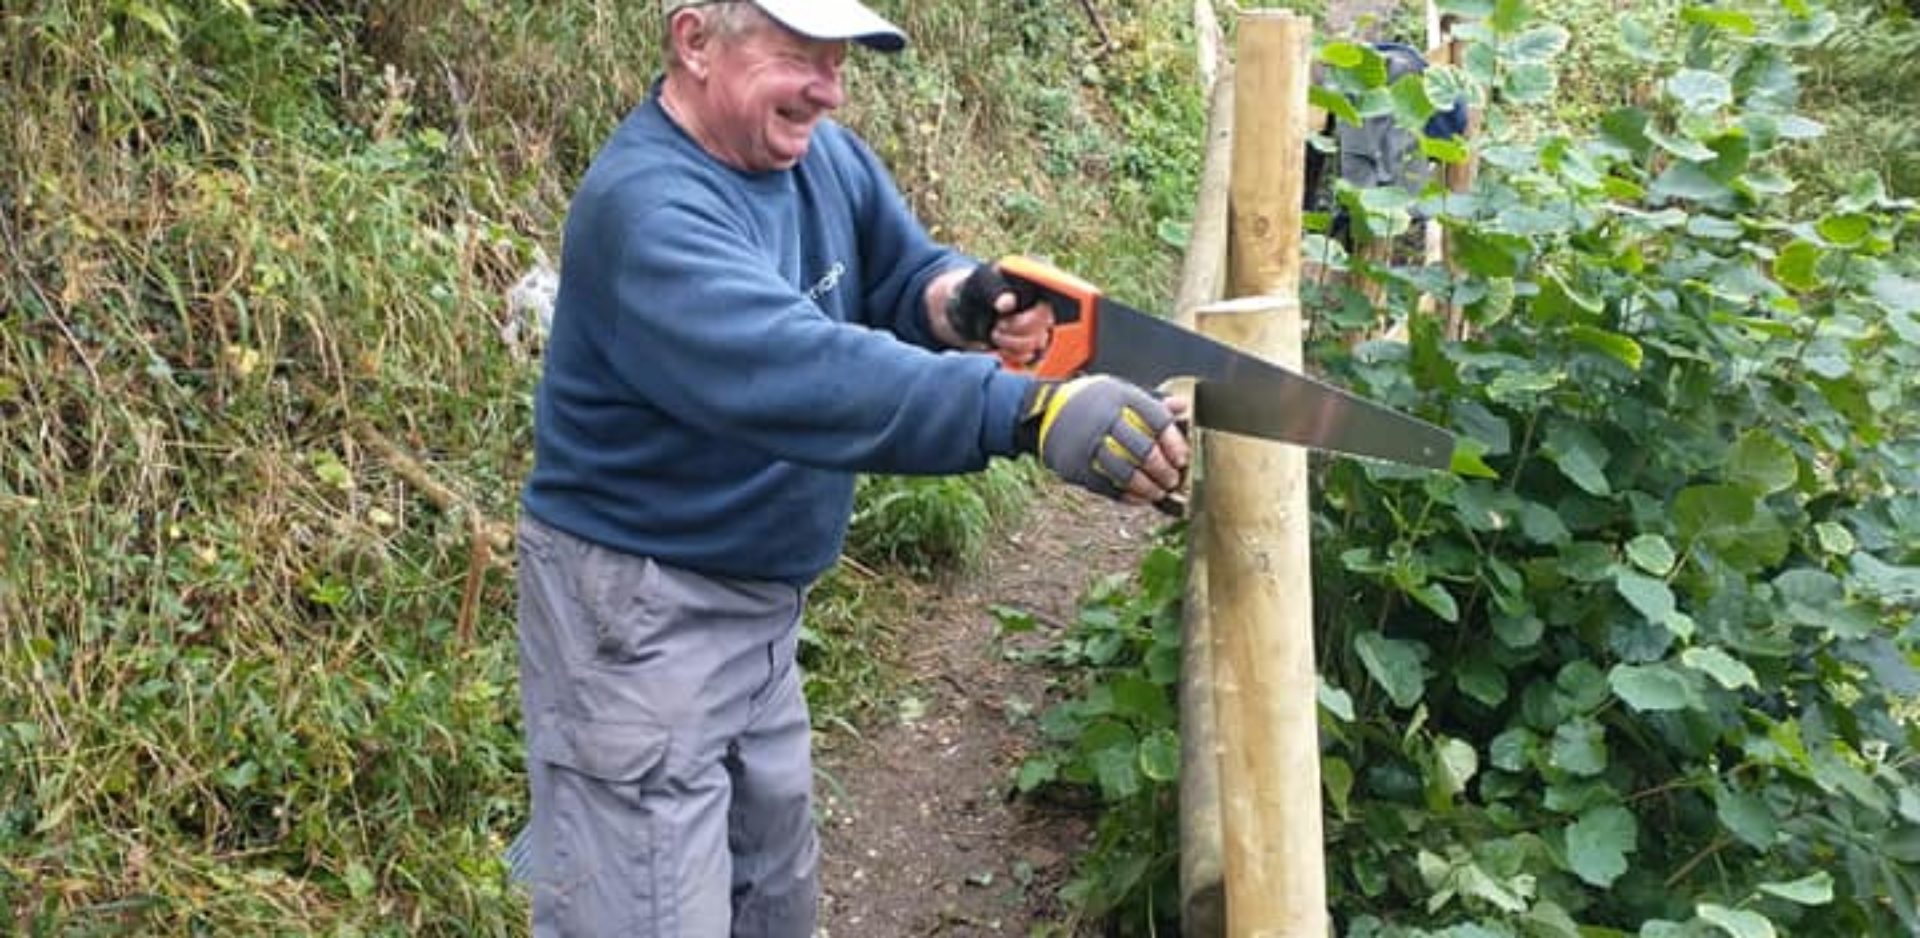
[(920, 837)]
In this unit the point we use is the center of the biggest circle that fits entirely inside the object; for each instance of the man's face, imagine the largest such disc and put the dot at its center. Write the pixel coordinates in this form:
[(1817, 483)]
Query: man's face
[(768, 88)]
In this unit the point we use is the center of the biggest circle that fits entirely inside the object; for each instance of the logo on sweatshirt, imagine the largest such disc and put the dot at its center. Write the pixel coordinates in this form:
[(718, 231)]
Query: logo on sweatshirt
[(826, 284)]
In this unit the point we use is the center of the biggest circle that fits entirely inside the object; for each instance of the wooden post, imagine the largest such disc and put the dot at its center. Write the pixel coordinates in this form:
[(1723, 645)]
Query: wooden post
[(1459, 177), (1270, 139), (1202, 281), (1259, 576)]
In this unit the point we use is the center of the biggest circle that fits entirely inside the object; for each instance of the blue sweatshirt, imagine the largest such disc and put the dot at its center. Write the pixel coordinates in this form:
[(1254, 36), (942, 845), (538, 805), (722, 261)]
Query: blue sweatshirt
[(729, 348)]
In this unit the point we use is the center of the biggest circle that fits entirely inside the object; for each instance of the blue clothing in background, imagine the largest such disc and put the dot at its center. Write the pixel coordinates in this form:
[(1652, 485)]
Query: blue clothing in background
[(704, 401)]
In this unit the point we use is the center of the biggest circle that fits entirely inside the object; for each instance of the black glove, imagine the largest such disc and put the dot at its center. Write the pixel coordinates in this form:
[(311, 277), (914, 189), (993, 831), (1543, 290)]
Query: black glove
[(970, 308), (1094, 432)]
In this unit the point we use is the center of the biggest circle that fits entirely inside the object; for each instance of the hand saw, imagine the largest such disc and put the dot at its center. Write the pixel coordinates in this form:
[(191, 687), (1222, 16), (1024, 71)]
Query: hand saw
[(1236, 392)]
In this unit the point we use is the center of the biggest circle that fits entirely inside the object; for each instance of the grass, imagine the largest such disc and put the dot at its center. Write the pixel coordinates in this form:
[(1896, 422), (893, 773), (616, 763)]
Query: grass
[(257, 427), (1860, 85)]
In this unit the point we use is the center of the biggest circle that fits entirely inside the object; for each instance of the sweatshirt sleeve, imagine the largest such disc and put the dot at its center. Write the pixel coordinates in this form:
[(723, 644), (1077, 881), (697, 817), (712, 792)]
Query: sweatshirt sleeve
[(698, 325)]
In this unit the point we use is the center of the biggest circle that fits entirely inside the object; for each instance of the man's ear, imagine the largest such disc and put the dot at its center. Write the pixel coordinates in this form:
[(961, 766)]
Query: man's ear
[(693, 41)]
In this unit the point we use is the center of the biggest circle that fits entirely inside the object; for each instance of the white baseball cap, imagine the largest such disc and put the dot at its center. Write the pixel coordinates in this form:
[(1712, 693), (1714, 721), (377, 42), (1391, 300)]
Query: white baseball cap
[(820, 19)]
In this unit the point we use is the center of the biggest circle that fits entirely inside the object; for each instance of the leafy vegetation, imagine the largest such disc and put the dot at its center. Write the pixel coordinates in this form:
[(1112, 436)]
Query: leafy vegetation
[(1644, 665), (260, 428), (1118, 735)]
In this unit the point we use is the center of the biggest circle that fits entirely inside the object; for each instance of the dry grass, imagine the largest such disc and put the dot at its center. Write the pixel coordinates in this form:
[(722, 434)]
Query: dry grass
[(255, 675)]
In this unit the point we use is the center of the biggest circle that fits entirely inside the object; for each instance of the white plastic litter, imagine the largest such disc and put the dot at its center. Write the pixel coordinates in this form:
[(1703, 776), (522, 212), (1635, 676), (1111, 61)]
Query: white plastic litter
[(530, 309)]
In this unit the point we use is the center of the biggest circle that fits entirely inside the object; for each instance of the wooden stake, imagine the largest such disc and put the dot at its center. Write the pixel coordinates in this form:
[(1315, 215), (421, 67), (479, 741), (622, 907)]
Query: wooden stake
[(1259, 577), (1270, 139), (1202, 281)]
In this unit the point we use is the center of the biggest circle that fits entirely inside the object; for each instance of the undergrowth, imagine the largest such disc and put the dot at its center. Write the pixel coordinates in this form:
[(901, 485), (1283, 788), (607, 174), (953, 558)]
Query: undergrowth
[(261, 437), (1645, 664)]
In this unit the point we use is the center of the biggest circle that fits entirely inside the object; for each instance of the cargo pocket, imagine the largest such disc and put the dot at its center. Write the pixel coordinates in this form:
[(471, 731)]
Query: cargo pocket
[(619, 594), (602, 848)]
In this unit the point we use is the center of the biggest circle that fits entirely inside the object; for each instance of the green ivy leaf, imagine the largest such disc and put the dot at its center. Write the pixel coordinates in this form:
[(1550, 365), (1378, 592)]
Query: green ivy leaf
[(1797, 267), (1335, 103), (1598, 844), (1452, 152), (1739, 923), (1530, 83), (1489, 254), (1160, 756), (1110, 749), (1542, 526), (1796, 127), (1335, 700), (1436, 598), (1363, 67), (1834, 539), (1680, 146), (1844, 230), (1507, 16), (1888, 663), (1394, 664), (1036, 772), (1627, 130), (1410, 105), (1539, 44), (1715, 228), (1467, 461), (1730, 672), (1343, 54), (1580, 455), (1580, 747), (1513, 750), (1584, 685), (1337, 778), (1698, 90), (1620, 347), (1523, 387), (1482, 680), (1729, 20), (1651, 597), (1896, 293), (1454, 763), (1760, 461), (1653, 688), (1746, 815), (1519, 632), (1890, 583), (1712, 511), (1812, 889), (1142, 701), (1652, 553), (1689, 181)]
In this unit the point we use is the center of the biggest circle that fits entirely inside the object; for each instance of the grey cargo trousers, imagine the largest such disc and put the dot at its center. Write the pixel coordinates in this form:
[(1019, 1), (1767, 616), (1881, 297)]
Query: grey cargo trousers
[(667, 748)]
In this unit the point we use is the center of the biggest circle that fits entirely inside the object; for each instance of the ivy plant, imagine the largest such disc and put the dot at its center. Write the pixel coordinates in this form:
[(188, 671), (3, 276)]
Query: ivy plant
[(1645, 664)]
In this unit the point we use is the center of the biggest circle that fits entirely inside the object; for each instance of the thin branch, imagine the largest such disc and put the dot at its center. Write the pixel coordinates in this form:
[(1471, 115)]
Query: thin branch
[(46, 302), (1093, 16)]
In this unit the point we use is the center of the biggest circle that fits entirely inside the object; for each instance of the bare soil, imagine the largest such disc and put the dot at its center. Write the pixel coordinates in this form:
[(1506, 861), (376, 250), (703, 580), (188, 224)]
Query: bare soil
[(921, 835)]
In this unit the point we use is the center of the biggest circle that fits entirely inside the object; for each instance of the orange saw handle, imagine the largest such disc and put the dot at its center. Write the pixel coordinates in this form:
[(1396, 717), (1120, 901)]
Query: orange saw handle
[(1076, 315)]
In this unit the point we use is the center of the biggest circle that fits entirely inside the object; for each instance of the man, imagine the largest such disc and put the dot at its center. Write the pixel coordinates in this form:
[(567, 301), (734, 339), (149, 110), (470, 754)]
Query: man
[(747, 316)]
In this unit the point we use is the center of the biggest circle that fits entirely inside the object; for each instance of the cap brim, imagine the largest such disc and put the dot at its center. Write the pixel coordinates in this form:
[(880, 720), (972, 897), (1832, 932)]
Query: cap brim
[(836, 20)]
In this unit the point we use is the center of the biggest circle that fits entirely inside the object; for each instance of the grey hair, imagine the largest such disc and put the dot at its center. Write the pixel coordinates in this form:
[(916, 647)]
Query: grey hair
[(725, 20)]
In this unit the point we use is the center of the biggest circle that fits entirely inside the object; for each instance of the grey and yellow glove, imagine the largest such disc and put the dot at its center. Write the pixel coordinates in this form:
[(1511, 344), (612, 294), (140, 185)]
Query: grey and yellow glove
[(1094, 431)]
